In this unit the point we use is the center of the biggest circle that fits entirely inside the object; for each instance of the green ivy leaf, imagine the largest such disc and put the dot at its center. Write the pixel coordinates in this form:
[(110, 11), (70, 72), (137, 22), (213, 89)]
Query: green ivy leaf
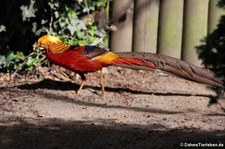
[(28, 11), (19, 54), (10, 56), (2, 28), (91, 32), (86, 10), (30, 61), (30, 68), (82, 42), (72, 29), (80, 34)]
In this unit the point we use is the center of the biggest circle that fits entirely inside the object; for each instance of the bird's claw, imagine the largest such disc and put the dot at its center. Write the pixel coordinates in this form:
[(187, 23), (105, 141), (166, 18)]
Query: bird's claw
[(77, 94)]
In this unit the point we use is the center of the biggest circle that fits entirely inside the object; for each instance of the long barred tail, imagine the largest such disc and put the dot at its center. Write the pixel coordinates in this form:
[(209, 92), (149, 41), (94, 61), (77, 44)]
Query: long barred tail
[(149, 61)]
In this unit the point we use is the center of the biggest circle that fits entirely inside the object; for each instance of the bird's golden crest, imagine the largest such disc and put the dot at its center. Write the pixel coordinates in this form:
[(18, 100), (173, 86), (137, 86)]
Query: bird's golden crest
[(52, 43), (49, 38)]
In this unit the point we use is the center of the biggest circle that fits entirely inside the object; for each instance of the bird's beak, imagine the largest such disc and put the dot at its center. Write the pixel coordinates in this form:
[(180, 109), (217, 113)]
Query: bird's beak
[(37, 45)]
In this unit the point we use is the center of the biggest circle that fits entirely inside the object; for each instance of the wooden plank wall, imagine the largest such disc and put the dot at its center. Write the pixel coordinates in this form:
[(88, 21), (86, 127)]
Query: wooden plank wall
[(195, 28), (169, 27), (122, 12)]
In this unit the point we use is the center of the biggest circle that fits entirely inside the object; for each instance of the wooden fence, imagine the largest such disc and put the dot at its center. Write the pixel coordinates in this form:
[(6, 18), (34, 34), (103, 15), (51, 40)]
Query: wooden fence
[(169, 27)]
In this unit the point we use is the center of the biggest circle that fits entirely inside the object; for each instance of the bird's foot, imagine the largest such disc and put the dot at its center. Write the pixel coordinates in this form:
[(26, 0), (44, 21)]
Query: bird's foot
[(77, 94), (102, 94)]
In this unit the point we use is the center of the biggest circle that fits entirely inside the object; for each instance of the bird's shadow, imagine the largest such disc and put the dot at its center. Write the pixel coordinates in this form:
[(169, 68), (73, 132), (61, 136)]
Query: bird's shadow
[(66, 86), (50, 84)]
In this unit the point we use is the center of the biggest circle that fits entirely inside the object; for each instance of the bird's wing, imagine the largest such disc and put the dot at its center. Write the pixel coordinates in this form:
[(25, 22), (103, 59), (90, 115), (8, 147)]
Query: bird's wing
[(93, 52), (77, 59)]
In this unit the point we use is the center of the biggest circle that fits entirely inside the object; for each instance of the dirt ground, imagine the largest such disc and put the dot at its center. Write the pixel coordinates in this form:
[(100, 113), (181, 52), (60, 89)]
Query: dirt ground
[(139, 110)]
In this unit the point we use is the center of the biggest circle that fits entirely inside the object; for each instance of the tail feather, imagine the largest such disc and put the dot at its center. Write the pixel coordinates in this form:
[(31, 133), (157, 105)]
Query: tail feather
[(167, 64), (134, 63)]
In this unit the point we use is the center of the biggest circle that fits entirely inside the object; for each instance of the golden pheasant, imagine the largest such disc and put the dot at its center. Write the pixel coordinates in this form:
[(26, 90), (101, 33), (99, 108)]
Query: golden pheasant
[(85, 59)]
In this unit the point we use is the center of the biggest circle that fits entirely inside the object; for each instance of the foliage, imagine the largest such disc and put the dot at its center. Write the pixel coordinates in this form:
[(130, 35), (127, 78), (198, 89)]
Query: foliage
[(18, 61), (212, 51), (22, 23), (221, 3)]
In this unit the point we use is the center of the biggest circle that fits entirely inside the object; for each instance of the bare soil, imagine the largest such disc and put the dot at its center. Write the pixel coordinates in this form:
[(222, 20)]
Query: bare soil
[(139, 110)]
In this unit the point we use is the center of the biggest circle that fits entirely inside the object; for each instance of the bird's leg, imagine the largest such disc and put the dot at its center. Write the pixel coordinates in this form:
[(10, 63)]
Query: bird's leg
[(102, 82), (83, 80)]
